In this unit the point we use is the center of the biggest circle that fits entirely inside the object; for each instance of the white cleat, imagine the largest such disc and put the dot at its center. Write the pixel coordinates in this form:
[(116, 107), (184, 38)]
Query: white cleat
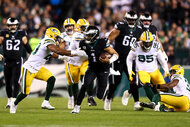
[(71, 103), (76, 109), (137, 106), (125, 97), (157, 107), (9, 103), (13, 108), (107, 104), (46, 105)]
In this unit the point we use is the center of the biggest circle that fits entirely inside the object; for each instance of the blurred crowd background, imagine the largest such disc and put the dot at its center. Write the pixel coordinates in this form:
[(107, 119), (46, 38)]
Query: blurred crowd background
[(171, 17)]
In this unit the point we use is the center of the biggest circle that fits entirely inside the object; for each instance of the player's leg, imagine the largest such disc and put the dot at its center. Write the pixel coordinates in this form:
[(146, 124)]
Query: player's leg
[(26, 81), (71, 87), (16, 78), (90, 98), (145, 81), (45, 75), (8, 79), (114, 81), (89, 77)]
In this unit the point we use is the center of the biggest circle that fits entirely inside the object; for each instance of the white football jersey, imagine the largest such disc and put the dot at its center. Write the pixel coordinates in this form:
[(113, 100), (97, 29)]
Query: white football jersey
[(76, 60), (67, 39), (183, 87), (39, 56), (146, 61)]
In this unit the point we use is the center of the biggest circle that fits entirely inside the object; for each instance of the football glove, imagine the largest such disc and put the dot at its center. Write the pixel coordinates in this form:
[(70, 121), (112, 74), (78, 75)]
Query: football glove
[(64, 58), (78, 52), (1, 57), (131, 76)]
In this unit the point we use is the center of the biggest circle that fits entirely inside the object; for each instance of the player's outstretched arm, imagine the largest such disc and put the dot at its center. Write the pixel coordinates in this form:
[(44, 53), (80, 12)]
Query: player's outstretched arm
[(114, 33)]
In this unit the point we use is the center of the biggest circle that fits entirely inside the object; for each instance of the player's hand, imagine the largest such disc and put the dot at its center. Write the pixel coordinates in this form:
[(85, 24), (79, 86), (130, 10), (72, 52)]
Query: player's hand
[(106, 60), (165, 56), (131, 76), (64, 58), (1, 57)]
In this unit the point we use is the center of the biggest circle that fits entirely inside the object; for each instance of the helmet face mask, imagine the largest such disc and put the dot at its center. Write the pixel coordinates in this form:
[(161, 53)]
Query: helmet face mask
[(82, 24), (69, 26), (91, 34), (177, 69), (147, 40), (146, 20), (130, 18), (12, 24), (53, 33)]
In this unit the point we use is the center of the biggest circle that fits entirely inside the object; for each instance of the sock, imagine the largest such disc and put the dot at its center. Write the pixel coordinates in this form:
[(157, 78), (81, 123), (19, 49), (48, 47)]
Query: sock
[(75, 91), (49, 87), (70, 90), (156, 98), (148, 90), (19, 98), (135, 92)]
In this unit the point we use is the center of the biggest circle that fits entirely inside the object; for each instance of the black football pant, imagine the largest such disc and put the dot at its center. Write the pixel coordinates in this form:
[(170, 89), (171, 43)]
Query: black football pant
[(114, 80), (12, 73), (90, 75)]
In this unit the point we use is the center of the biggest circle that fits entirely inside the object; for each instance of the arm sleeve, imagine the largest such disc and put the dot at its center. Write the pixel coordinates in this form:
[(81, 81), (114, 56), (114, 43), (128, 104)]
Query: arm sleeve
[(28, 48), (130, 59), (162, 61)]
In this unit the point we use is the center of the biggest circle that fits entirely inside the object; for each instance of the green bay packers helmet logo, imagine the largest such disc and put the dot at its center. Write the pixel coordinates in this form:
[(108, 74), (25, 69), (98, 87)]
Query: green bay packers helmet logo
[(53, 33), (54, 30)]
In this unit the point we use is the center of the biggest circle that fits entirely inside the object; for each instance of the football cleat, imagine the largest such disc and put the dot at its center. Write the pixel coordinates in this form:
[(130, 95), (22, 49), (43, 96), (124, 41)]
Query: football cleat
[(107, 104), (138, 107), (8, 103), (71, 102), (76, 109), (13, 108), (163, 108), (151, 105), (125, 97), (46, 105), (91, 101)]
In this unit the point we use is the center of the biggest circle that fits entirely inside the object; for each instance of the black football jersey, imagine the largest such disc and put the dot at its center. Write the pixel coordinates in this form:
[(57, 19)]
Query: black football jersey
[(12, 45), (126, 38), (94, 50)]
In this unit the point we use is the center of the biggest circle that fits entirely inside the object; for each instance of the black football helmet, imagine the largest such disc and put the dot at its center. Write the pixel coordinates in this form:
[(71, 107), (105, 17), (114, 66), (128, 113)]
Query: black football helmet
[(91, 34), (130, 18), (12, 24), (146, 17)]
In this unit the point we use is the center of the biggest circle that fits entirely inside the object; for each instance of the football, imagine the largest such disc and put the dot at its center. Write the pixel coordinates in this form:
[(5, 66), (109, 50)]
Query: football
[(105, 54)]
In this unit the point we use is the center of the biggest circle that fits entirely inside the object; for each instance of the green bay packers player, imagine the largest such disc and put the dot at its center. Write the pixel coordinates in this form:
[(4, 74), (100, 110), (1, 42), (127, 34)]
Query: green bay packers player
[(69, 26), (33, 67), (79, 64), (147, 53), (178, 102)]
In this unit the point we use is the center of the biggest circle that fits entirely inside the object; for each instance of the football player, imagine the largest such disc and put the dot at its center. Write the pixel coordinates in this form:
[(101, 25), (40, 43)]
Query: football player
[(79, 64), (98, 67), (178, 102), (147, 53), (125, 34), (13, 41), (146, 24), (33, 67), (69, 26)]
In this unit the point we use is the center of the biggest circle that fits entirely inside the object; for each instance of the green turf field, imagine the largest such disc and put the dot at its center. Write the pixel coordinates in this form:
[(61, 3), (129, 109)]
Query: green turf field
[(29, 113)]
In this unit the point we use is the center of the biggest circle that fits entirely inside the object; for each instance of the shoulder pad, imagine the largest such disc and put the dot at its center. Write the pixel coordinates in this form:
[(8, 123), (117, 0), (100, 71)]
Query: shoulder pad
[(176, 76), (46, 41)]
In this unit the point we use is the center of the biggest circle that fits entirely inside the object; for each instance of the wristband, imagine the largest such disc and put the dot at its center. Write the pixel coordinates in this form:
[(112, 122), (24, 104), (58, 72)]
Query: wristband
[(113, 58)]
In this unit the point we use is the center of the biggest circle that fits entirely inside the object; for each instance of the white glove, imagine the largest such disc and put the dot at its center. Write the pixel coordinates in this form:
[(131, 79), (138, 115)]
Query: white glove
[(165, 56), (64, 58), (1, 57), (78, 52)]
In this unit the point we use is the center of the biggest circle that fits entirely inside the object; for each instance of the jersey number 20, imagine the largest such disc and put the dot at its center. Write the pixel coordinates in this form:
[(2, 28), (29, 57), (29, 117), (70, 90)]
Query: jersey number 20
[(11, 46)]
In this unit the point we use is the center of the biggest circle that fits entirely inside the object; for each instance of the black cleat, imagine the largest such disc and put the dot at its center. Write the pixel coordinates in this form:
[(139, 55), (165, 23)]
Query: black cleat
[(148, 105), (91, 101), (163, 108)]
